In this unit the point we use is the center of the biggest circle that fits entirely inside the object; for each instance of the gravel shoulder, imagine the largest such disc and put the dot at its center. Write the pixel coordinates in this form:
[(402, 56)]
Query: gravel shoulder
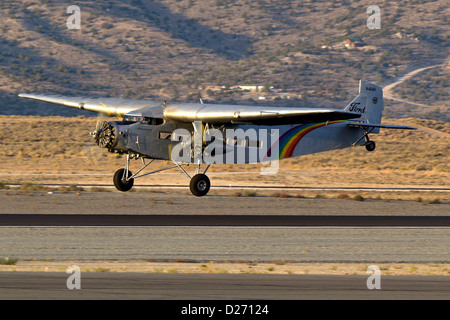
[(276, 267)]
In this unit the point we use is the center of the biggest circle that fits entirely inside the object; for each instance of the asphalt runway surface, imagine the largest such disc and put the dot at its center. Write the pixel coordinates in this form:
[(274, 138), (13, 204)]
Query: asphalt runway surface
[(159, 203), (114, 220), (250, 244), (48, 285)]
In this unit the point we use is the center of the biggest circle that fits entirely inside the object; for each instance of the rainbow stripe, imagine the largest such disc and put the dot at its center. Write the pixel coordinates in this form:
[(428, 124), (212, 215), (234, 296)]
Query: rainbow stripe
[(290, 139)]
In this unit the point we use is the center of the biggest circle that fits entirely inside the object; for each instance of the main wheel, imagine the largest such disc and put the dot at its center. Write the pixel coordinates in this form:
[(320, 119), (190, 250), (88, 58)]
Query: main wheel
[(120, 184), (370, 145), (200, 185)]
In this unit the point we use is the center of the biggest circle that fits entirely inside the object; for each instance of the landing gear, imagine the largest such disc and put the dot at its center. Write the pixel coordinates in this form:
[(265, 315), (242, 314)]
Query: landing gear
[(123, 184), (124, 179), (199, 185), (370, 145)]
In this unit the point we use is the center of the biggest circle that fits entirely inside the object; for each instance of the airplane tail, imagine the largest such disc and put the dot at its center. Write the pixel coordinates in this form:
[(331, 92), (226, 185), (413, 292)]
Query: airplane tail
[(369, 103)]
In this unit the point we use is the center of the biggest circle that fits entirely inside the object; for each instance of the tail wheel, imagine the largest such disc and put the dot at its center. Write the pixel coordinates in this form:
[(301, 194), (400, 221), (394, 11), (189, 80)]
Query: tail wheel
[(120, 183), (370, 145), (200, 185)]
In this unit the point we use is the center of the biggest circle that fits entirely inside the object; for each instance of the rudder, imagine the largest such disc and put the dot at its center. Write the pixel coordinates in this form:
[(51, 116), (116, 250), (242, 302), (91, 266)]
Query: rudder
[(369, 103)]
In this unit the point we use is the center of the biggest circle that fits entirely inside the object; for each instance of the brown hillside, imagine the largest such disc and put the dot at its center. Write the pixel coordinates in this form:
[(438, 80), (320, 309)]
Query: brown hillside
[(178, 49)]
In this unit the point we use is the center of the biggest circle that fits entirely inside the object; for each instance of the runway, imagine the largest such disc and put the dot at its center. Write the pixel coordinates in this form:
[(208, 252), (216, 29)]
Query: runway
[(170, 203), (200, 287), (174, 220), (111, 226), (228, 244)]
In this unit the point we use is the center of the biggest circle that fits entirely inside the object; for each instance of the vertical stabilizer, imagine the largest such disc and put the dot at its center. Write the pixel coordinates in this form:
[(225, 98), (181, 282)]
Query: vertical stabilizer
[(369, 103)]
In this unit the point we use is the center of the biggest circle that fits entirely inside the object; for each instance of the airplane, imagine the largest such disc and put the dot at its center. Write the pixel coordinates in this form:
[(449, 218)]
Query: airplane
[(151, 130)]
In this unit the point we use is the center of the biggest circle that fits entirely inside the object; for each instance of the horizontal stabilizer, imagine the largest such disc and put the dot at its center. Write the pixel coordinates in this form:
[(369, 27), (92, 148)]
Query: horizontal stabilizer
[(386, 126)]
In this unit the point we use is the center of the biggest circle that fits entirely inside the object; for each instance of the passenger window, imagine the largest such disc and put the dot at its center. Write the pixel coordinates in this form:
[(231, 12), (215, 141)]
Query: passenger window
[(152, 121), (165, 135)]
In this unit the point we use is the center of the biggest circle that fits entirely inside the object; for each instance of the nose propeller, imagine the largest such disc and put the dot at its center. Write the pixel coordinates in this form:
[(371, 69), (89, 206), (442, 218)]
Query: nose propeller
[(105, 135)]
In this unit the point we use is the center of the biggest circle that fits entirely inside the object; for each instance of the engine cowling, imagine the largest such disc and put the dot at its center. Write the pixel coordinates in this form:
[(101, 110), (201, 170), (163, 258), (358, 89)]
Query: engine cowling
[(111, 135), (106, 136)]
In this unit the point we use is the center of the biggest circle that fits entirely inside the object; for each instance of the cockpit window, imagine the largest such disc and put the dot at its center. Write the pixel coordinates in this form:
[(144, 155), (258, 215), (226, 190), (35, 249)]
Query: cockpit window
[(146, 120), (132, 118)]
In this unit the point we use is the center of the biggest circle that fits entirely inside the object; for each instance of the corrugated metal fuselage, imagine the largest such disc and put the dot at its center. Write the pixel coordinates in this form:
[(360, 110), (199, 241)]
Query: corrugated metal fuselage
[(241, 143)]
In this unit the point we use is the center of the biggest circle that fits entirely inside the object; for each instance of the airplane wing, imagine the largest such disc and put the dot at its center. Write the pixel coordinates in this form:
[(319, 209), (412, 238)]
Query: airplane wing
[(208, 113), (217, 114), (108, 106)]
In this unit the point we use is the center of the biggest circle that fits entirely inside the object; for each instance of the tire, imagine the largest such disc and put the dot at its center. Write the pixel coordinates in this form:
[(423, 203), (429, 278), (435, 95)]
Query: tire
[(370, 146), (199, 185), (120, 184)]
